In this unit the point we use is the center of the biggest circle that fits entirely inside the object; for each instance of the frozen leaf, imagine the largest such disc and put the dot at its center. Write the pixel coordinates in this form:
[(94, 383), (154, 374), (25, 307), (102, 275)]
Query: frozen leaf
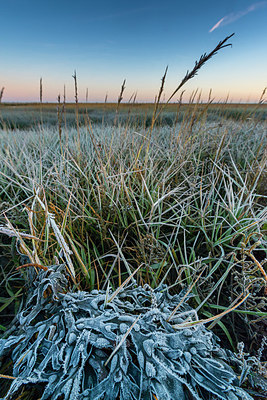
[(61, 342)]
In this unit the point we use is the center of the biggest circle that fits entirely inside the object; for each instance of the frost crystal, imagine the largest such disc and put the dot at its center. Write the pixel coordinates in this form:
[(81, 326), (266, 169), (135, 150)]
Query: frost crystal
[(61, 343)]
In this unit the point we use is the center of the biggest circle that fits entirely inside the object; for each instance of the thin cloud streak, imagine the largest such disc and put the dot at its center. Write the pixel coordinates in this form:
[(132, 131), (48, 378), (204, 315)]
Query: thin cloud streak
[(228, 19), (217, 25)]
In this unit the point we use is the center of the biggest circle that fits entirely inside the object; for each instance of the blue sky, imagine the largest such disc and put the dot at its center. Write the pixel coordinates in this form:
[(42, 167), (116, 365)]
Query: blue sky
[(107, 41)]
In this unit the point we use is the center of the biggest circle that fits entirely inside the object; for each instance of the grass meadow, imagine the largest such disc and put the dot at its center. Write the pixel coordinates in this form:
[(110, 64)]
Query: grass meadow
[(110, 188)]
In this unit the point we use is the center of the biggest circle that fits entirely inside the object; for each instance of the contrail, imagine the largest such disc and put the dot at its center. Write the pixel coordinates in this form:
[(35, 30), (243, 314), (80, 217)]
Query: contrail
[(228, 19)]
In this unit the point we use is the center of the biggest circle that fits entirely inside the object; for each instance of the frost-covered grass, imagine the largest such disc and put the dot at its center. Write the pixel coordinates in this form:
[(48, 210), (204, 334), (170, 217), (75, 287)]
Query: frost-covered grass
[(176, 199), (184, 202)]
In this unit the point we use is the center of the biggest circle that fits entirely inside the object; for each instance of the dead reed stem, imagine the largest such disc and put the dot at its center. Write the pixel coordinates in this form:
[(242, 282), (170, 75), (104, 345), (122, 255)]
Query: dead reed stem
[(1, 94), (189, 75), (77, 111), (59, 118), (41, 102), (119, 101), (198, 64)]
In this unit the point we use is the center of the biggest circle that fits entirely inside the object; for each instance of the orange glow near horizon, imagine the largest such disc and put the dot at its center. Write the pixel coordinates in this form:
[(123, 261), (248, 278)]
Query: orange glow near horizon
[(234, 86), (21, 94)]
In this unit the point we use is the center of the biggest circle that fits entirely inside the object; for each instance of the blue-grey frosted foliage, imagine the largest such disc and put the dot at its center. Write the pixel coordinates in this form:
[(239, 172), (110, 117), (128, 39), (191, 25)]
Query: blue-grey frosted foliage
[(62, 340)]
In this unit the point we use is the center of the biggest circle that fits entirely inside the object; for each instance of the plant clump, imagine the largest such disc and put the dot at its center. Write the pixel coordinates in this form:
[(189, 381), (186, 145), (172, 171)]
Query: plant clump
[(123, 345)]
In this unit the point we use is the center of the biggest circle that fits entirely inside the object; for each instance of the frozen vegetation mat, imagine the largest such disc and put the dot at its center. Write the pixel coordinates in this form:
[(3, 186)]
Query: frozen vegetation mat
[(123, 345)]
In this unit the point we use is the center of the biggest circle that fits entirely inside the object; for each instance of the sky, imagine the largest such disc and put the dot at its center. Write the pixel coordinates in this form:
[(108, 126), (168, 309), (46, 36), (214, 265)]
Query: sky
[(107, 41)]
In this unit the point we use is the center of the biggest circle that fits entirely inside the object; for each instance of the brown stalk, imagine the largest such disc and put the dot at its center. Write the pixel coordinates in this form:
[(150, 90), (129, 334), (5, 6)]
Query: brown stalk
[(177, 116), (64, 97), (41, 101), (121, 93), (1, 94), (77, 110), (120, 100), (213, 318), (7, 376), (249, 254), (32, 265), (262, 98), (41, 90), (104, 111), (159, 94), (64, 113), (155, 112), (198, 64), (59, 118), (189, 75)]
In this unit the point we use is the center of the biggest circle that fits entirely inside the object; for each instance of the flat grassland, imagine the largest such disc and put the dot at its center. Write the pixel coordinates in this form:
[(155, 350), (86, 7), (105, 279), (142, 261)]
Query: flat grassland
[(26, 115)]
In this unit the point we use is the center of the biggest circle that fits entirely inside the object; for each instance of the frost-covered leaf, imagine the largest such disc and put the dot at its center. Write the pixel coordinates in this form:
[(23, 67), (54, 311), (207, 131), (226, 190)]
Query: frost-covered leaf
[(62, 340)]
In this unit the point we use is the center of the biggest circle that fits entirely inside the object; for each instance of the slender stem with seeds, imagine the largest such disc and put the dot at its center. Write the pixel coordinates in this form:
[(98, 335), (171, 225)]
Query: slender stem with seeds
[(77, 111)]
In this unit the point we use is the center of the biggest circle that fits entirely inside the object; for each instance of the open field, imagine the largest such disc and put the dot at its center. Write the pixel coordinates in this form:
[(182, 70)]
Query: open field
[(185, 200), (25, 116)]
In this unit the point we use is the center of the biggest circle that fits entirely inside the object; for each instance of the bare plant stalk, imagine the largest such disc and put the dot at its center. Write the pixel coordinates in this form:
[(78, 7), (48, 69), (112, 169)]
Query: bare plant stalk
[(131, 102), (1, 94), (189, 75), (86, 102), (64, 95), (75, 87), (64, 113), (77, 110), (41, 101), (59, 118), (41, 90), (155, 112), (198, 64), (121, 92), (120, 100), (64, 101), (210, 98), (104, 111), (158, 97), (177, 116), (262, 98)]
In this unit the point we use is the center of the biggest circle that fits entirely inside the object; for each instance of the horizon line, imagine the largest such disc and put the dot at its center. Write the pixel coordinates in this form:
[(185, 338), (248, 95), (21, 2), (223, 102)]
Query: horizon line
[(6, 103)]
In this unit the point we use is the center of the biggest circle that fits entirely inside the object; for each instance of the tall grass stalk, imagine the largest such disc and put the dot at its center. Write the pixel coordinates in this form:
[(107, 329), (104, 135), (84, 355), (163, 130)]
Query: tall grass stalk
[(41, 101), (77, 111), (189, 75)]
